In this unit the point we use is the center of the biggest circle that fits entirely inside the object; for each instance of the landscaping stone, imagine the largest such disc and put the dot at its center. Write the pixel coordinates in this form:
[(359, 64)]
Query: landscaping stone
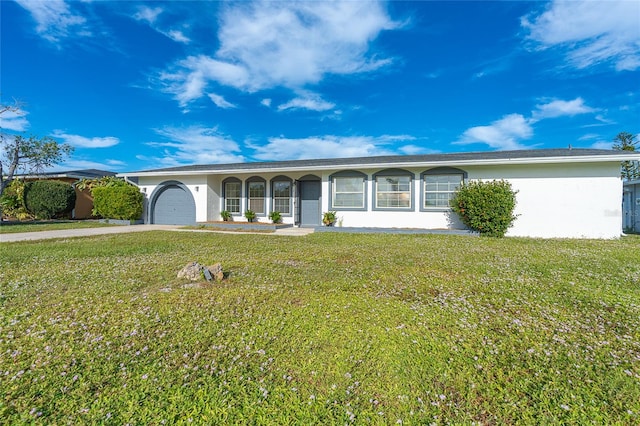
[(192, 272), (216, 272)]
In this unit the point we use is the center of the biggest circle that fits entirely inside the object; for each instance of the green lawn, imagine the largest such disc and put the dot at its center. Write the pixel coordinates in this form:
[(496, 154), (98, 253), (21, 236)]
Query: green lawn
[(53, 225), (324, 329)]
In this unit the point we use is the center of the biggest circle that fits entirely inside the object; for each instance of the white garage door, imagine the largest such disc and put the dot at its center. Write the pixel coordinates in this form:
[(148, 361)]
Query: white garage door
[(174, 206)]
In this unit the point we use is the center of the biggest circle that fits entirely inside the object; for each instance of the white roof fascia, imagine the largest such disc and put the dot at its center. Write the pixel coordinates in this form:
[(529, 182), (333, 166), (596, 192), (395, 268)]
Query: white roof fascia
[(400, 164)]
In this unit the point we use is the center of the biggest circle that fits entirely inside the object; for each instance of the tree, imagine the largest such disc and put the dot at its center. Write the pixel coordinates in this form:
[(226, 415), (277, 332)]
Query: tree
[(30, 155), (625, 141)]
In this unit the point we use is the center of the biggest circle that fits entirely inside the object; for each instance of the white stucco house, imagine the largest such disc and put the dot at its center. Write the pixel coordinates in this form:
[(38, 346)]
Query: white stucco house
[(565, 193), (631, 206)]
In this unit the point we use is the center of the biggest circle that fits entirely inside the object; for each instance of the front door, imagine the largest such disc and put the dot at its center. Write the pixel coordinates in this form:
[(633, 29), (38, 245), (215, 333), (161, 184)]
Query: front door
[(310, 191)]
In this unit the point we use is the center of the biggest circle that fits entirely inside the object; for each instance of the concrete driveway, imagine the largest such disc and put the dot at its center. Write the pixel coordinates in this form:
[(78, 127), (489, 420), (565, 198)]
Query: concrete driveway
[(85, 232)]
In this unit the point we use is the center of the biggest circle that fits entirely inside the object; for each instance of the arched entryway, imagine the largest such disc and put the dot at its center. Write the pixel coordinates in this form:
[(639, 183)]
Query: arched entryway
[(309, 192), (172, 204)]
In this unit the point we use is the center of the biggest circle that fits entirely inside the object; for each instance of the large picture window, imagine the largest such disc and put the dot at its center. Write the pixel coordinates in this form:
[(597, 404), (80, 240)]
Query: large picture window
[(256, 195), (281, 192), (439, 185), (393, 190), (348, 190), (232, 194)]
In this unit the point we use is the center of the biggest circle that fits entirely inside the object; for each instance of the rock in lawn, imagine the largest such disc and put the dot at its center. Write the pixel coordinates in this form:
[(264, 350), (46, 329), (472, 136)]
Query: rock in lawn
[(192, 272), (216, 272)]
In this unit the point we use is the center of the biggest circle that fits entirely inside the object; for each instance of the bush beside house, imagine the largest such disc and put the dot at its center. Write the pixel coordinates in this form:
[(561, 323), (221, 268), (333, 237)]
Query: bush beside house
[(486, 207), (122, 202), (48, 199)]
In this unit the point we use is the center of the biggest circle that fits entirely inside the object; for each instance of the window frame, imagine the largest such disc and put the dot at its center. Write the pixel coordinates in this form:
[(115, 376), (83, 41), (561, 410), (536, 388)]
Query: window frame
[(273, 194), (225, 198), (394, 173), (333, 178), (253, 180), (438, 171)]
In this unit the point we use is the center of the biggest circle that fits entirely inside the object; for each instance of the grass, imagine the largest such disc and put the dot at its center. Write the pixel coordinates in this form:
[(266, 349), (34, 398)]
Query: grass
[(324, 329), (53, 225)]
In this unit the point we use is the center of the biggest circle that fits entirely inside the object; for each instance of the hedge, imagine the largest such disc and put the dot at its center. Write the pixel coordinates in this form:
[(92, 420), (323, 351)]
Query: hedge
[(117, 202), (47, 199)]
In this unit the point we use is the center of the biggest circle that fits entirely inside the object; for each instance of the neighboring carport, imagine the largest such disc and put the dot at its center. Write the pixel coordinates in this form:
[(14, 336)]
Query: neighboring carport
[(172, 204)]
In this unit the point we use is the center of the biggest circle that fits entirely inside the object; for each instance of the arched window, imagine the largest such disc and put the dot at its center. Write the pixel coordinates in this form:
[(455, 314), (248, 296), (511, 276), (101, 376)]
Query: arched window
[(348, 190), (393, 190), (232, 194), (281, 188), (256, 195), (438, 186)]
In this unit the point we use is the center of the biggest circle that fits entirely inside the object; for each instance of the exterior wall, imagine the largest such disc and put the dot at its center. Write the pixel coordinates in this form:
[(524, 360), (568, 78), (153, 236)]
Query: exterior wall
[(435, 219), (564, 200), (557, 200), (569, 200), (216, 200), (196, 184)]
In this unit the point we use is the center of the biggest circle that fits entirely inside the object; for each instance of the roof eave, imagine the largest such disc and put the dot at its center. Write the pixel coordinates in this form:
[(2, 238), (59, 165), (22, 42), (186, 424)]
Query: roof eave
[(395, 164)]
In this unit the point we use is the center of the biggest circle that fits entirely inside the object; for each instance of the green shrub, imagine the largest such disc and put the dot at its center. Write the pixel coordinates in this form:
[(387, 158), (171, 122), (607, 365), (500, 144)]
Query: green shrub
[(124, 202), (275, 216), (12, 201), (250, 215), (486, 207), (47, 199)]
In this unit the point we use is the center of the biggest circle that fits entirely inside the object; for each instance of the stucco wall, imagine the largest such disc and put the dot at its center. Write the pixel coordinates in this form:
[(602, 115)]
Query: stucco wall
[(573, 200), (197, 185)]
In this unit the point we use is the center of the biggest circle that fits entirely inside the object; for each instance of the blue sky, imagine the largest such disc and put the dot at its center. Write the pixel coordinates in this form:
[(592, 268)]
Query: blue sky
[(139, 85)]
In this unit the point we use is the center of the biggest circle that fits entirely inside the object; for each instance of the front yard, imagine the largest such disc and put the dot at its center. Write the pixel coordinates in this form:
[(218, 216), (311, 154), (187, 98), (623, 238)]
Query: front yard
[(330, 328)]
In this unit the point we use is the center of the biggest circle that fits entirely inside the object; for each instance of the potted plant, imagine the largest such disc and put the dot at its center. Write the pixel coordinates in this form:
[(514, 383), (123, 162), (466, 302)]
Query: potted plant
[(276, 217), (250, 215), (226, 215), (329, 218)]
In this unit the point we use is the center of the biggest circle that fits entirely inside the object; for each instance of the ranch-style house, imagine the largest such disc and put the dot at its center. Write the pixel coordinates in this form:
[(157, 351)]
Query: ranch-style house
[(565, 193)]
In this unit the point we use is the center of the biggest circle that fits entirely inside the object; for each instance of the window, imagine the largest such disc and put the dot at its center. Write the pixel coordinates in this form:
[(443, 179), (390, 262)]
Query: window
[(348, 190), (256, 193), (439, 185), (231, 193), (281, 191), (393, 190)]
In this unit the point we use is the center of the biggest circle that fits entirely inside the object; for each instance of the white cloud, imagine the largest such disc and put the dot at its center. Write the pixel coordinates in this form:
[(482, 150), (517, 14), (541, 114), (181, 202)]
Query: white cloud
[(177, 36), (267, 44), (329, 146), (55, 20), (310, 101), (503, 134), (14, 120), (195, 145), (510, 130), (590, 32), (189, 80), (84, 142), (150, 16), (560, 108), (220, 101), (266, 102)]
